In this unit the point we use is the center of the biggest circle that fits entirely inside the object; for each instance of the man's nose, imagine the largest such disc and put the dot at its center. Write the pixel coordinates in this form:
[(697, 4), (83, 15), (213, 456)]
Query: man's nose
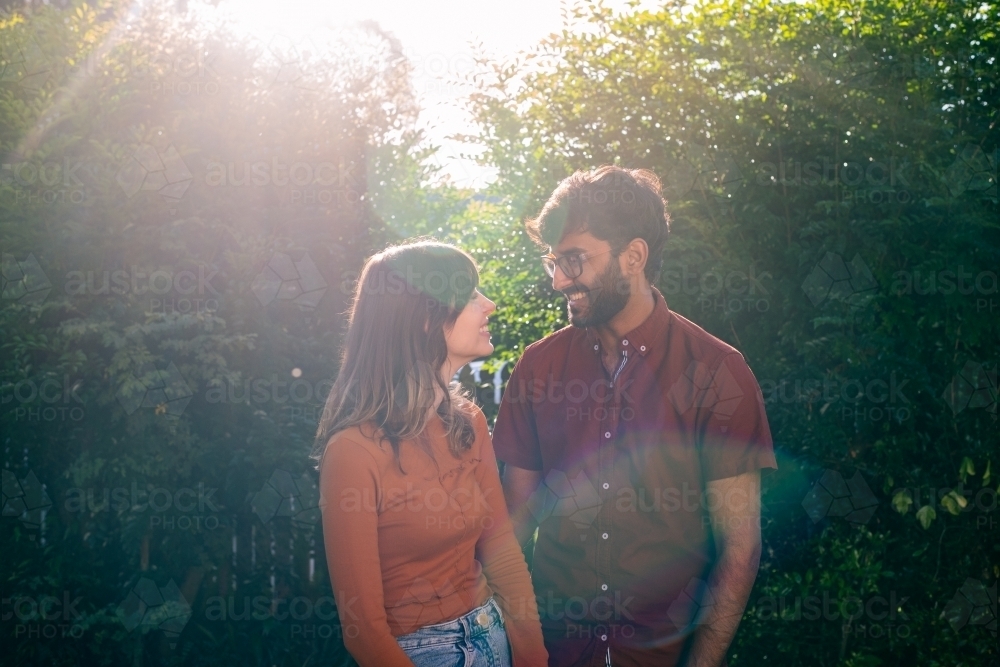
[(490, 307), (559, 280)]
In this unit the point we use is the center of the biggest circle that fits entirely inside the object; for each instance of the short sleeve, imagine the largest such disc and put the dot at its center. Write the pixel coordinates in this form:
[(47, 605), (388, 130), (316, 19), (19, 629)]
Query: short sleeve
[(515, 439), (735, 434)]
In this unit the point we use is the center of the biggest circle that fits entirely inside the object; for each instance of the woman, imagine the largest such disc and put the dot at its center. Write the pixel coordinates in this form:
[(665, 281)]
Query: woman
[(423, 560)]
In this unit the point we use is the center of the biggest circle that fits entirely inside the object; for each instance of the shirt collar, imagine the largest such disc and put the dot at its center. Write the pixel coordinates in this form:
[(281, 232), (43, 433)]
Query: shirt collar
[(645, 337)]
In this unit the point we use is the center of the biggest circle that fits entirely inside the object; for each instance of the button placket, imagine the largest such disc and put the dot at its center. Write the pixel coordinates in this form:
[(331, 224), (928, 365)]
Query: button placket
[(605, 467), (606, 460)]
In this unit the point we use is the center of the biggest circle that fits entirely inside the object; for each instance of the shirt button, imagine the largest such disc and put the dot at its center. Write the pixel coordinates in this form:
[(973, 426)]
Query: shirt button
[(607, 434), (642, 347), (604, 587), (604, 536), (595, 347), (624, 342), (604, 638), (606, 485)]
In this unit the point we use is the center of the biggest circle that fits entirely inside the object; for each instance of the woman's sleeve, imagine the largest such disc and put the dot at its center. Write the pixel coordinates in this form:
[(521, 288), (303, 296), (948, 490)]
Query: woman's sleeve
[(349, 492), (504, 566)]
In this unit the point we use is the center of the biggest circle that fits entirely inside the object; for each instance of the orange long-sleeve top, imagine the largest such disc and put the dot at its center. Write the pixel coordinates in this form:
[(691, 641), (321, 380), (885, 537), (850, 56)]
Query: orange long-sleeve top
[(424, 546)]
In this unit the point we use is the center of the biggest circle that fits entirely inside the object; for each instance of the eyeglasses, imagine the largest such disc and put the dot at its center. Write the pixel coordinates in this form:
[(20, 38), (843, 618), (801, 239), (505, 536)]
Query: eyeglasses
[(571, 265)]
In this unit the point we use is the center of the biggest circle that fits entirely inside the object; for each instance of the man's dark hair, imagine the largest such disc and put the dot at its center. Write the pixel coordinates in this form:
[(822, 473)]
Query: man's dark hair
[(614, 204)]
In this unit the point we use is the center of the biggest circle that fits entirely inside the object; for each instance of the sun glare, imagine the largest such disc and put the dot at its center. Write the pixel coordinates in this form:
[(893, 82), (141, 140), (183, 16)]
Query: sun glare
[(440, 38)]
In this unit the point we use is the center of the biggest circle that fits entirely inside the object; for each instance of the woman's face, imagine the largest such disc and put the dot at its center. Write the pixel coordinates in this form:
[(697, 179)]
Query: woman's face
[(469, 339)]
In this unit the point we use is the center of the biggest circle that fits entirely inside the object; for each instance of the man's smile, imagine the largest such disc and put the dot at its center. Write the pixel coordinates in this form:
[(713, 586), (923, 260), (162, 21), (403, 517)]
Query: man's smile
[(578, 295)]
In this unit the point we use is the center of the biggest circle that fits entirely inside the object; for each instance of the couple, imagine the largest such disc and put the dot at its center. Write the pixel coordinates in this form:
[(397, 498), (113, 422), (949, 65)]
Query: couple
[(632, 440)]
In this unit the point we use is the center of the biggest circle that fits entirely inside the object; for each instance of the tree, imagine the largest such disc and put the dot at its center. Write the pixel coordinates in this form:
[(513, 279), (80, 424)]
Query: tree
[(182, 212), (830, 168)]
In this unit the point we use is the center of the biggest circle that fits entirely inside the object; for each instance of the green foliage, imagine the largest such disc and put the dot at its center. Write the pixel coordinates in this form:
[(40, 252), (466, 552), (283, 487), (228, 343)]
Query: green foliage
[(160, 177), (802, 143), (798, 143)]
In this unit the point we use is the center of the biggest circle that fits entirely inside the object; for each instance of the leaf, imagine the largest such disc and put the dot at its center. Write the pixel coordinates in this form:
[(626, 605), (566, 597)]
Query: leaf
[(966, 468), (954, 502), (926, 516), (901, 501), (986, 475)]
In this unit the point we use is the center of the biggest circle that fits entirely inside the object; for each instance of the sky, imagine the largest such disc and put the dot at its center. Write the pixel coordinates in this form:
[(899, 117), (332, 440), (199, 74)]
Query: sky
[(438, 38)]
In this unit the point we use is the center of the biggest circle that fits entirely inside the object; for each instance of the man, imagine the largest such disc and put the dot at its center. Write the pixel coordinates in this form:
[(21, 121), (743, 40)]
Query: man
[(633, 440)]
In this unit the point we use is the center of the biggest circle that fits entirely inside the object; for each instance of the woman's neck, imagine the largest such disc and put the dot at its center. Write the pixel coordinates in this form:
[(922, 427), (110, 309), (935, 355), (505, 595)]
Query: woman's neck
[(447, 371)]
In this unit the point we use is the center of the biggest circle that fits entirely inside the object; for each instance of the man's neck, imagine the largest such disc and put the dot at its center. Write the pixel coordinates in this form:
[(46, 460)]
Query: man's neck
[(639, 307)]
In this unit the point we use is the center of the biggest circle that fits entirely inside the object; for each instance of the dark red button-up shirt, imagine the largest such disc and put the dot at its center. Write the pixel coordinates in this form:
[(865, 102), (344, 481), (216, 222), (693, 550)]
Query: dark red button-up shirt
[(625, 544)]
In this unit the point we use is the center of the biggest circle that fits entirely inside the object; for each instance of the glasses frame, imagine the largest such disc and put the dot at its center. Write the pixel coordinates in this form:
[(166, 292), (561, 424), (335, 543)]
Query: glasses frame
[(566, 263)]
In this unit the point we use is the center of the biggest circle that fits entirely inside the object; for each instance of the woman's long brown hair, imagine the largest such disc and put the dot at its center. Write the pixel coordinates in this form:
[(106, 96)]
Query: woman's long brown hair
[(395, 347)]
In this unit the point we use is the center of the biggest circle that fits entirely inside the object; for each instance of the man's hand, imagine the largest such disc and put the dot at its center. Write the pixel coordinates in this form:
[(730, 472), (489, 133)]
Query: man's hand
[(734, 511), (518, 485)]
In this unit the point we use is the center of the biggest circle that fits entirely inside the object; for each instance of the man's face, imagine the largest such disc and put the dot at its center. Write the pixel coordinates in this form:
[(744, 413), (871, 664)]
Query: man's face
[(600, 292)]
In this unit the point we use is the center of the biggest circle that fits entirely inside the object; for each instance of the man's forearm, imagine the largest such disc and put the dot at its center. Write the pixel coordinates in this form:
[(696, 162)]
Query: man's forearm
[(729, 585)]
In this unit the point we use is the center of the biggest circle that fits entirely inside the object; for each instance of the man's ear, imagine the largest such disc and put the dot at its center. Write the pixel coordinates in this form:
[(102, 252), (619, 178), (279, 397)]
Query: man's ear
[(636, 254)]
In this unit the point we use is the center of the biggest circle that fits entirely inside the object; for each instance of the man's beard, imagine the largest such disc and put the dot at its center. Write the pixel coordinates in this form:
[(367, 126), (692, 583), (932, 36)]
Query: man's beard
[(605, 299)]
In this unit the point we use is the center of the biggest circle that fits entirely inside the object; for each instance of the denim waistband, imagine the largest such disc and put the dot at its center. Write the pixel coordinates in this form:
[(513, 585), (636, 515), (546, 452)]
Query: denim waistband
[(476, 622)]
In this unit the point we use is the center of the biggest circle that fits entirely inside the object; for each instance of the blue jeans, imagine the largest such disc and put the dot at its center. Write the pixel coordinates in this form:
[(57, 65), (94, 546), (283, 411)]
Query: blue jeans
[(477, 639)]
